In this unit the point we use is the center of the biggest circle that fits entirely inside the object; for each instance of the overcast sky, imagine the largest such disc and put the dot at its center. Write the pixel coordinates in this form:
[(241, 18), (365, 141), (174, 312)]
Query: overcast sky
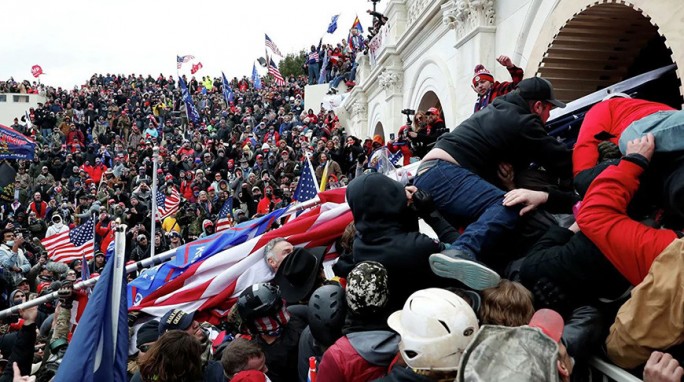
[(73, 39)]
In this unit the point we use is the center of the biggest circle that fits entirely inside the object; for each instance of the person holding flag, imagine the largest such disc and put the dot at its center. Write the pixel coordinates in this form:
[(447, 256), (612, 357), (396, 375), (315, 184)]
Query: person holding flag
[(228, 94)]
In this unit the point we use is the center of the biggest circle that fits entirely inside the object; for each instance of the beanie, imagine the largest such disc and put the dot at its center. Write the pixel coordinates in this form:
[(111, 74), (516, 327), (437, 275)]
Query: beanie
[(481, 73), (147, 333), (367, 288)]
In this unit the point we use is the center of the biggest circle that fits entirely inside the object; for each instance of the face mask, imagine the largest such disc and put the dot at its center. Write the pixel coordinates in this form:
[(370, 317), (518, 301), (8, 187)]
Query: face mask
[(10, 243), (17, 301)]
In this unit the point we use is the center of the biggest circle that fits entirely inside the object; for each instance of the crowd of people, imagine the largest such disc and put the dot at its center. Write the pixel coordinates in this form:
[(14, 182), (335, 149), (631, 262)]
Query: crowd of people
[(545, 255)]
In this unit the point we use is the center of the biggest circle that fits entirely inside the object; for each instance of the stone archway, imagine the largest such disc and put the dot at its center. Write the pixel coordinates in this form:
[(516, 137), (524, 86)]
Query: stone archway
[(602, 44), (430, 99), (379, 130)]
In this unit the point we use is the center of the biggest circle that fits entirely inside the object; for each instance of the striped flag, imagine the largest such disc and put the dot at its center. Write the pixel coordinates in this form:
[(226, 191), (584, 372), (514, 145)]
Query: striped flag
[(180, 60), (307, 187), (167, 204), (273, 70), (72, 244), (272, 45), (187, 255), (225, 215), (212, 286)]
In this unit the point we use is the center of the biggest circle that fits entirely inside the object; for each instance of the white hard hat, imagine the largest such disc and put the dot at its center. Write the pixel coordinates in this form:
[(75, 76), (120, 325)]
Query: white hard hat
[(435, 326)]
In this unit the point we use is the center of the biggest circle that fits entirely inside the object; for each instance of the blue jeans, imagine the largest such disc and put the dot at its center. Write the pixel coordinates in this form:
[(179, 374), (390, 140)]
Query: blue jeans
[(314, 72), (459, 193)]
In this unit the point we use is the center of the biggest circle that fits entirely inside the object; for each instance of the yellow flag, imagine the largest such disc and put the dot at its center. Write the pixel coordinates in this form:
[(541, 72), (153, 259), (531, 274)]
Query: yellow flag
[(324, 178)]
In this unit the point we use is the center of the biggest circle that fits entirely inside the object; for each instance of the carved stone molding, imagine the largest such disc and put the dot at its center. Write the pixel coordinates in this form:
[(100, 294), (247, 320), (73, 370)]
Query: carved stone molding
[(415, 9), (467, 15), (359, 109), (391, 80)]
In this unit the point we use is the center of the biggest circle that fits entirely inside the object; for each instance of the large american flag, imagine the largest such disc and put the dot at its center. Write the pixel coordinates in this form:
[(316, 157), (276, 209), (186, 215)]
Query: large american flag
[(272, 45), (167, 204), (225, 215), (212, 286), (273, 70), (72, 244), (180, 60)]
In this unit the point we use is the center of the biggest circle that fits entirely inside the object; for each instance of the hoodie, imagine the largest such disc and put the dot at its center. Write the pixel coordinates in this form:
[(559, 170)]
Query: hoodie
[(387, 232), (57, 227)]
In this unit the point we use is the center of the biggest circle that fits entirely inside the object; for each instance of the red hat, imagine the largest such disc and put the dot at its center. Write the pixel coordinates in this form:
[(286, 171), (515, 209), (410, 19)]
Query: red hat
[(210, 189), (259, 156), (169, 177), (160, 171), (378, 139), (550, 322), (481, 73), (433, 111), (249, 376)]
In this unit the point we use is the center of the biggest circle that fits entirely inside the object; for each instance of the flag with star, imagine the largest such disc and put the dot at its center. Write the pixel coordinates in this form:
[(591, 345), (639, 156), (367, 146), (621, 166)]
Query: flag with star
[(272, 45), (73, 244), (225, 215), (167, 204), (307, 187)]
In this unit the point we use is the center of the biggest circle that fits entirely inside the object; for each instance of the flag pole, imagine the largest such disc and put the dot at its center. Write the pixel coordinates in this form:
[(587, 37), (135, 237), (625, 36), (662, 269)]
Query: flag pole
[(117, 279), (140, 265), (153, 225)]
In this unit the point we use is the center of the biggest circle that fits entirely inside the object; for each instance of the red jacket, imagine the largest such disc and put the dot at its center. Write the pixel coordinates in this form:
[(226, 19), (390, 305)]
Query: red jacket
[(611, 116), (629, 245), (43, 209), (106, 233), (342, 363)]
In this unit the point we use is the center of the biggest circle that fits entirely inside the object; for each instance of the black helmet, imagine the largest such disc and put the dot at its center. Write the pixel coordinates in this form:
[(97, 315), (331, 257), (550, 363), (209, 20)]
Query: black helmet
[(327, 311), (259, 300)]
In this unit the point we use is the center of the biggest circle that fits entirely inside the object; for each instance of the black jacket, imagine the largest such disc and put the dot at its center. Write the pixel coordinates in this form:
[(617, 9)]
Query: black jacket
[(506, 131), (575, 265), (387, 232), (403, 374)]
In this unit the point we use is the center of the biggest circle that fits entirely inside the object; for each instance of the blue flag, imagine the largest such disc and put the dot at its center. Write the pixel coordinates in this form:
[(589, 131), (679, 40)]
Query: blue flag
[(256, 80), (193, 115), (98, 351), (228, 94), (333, 24), (186, 255)]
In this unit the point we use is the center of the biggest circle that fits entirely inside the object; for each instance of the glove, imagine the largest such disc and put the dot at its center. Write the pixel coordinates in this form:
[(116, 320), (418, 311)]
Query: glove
[(548, 295), (423, 203), (66, 294)]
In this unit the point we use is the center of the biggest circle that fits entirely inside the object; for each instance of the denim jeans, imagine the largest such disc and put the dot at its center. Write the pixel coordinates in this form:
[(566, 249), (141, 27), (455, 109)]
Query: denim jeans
[(459, 193), (314, 72)]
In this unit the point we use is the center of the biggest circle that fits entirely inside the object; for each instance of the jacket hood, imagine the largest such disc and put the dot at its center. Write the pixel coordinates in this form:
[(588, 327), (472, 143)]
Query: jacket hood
[(376, 346), (378, 203)]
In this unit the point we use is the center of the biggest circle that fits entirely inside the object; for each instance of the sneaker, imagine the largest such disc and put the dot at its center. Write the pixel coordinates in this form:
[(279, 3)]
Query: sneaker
[(459, 265)]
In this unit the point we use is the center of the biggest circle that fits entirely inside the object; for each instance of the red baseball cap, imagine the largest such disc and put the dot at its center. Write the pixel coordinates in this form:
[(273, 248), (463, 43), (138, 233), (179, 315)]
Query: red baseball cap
[(550, 322), (433, 111)]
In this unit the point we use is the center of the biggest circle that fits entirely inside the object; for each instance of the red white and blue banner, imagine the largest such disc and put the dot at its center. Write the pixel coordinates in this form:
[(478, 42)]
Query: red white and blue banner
[(14, 145)]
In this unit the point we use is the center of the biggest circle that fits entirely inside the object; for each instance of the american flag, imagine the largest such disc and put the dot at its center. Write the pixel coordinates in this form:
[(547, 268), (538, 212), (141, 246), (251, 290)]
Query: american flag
[(306, 187), (167, 204), (72, 244), (225, 215), (272, 45), (273, 70), (313, 56), (211, 286), (180, 60)]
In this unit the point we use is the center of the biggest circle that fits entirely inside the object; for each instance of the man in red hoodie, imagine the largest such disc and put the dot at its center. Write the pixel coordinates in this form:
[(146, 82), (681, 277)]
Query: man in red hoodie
[(650, 258)]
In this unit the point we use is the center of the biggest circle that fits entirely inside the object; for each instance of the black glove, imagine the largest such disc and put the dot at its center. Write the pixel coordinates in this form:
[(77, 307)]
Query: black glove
[(548, 295), (423, 203), (66, 294)]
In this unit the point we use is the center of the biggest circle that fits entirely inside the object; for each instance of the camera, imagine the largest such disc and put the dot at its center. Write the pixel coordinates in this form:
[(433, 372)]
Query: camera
[(408, 112)]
